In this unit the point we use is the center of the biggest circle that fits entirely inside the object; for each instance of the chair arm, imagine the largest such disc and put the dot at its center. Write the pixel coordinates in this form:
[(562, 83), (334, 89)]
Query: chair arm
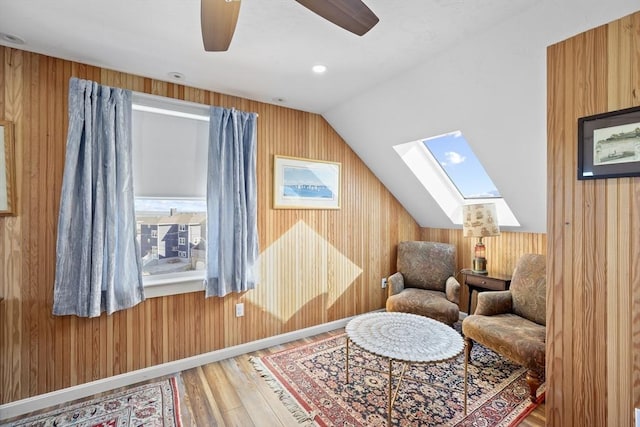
[(395, 283), (494, 302), (452, 289)]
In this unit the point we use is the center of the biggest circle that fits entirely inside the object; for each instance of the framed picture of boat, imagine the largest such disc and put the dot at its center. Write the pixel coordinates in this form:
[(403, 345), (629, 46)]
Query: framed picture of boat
[(305, 184), (609, 144)]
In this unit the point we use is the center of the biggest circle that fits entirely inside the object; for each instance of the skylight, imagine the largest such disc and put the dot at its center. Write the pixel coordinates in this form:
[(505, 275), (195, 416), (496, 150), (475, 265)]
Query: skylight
[(461, 165), (453, 175)]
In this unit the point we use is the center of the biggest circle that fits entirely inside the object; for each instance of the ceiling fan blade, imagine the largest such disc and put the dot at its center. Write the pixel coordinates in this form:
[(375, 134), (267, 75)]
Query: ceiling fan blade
[(218, 21), (352, 15)]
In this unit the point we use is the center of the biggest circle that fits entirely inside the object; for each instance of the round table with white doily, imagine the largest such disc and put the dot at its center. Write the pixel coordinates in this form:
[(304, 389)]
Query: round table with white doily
[(406, 338)]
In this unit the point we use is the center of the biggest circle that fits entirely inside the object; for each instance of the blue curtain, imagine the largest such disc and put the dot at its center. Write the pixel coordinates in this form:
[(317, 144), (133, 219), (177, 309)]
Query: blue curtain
[(97, 256), (232, 206)]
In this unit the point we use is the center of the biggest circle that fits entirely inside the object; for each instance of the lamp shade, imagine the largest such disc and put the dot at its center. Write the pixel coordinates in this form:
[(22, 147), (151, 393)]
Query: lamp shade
[(480, 220)]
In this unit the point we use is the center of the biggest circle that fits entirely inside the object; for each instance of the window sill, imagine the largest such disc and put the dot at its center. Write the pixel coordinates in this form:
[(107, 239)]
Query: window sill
[(173, 284)]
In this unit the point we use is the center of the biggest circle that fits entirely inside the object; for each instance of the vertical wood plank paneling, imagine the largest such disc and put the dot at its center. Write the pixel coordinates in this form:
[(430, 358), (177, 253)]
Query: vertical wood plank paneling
[(360, 237), (11, 228), (571, 224), (633, 98), (592, 318), (42, 353), (364, 231), (555, 225), (502, 251)]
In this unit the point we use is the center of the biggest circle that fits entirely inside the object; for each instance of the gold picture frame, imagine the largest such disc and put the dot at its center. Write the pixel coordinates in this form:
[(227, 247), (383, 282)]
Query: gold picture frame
[(300, 183), (7, 169)]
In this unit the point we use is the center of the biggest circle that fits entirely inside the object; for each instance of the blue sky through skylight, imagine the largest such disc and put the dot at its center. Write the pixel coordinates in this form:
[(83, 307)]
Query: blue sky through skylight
[(461, 165)]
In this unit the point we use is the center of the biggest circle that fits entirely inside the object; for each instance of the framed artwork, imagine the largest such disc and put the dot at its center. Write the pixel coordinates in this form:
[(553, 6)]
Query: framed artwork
[(609, 144), (305, 184), (7, 169)]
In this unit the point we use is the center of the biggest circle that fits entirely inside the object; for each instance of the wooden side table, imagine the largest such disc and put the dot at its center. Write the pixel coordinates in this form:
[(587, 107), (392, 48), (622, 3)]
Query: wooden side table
[(484, 282)]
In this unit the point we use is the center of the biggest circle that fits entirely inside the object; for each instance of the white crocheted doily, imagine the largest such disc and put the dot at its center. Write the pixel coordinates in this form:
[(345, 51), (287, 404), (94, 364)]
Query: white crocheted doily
[(404, 336)]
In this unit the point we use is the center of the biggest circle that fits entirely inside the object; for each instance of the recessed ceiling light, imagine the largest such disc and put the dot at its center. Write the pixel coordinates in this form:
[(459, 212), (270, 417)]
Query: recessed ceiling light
[(12, 38), (319, 69), (176, 75)]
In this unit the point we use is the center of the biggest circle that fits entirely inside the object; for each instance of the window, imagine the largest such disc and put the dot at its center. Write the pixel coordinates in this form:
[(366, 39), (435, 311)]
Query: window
[(448, 168), (170, 139), (462, 167)]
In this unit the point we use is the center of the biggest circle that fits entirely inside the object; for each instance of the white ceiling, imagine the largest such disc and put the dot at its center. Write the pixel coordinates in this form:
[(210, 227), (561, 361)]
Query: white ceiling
[(274, 47), (428, 67)]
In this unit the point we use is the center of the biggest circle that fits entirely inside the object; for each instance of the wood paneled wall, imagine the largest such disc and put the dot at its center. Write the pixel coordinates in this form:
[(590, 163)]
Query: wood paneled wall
[(317, 265), (502, 251), (593, 293)]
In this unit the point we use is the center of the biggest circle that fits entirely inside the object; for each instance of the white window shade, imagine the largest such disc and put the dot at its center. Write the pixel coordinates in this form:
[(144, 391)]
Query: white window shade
[(169, 155)]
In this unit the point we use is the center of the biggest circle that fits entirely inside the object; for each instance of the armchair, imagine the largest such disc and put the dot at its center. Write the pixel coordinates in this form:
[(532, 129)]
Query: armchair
[(513, 323), (424, 283)]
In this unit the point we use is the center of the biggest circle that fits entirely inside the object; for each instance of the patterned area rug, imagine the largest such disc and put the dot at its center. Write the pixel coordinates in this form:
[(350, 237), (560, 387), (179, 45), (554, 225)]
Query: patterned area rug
[(310, 380), (151, 405)]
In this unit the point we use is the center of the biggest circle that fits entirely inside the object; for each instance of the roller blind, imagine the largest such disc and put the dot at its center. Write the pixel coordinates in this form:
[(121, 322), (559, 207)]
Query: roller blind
[(169, 152)]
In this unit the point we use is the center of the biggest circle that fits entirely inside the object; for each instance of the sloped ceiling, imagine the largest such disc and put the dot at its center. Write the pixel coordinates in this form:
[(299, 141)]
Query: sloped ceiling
[(492, 87), (428, 67)]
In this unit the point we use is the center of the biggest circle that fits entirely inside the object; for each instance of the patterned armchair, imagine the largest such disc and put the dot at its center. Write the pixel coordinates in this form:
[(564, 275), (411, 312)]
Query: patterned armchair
[(424, 283), (512, 323)]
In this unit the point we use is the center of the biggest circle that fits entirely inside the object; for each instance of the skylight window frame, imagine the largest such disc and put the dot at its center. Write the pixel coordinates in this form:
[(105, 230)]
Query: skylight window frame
[(445, 193), (457, 136)]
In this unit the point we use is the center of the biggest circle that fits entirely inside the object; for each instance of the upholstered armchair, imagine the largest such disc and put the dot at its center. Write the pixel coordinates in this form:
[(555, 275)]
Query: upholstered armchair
[(512, 323), (424, 283)]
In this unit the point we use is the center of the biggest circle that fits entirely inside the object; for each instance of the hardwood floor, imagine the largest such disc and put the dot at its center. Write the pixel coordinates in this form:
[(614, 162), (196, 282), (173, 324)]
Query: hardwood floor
[(231, 393)]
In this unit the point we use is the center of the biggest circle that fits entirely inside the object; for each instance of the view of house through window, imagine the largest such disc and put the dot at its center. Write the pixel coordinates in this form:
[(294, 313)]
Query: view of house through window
[(171, 234), (169, 166)]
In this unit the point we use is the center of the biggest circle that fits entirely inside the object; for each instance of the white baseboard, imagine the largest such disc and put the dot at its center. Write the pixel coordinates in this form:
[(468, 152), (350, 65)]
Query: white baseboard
[(42, 401)]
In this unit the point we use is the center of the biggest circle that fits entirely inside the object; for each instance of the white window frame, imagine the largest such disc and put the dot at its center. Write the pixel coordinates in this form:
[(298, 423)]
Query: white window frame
[(187, 281), (433, 177)]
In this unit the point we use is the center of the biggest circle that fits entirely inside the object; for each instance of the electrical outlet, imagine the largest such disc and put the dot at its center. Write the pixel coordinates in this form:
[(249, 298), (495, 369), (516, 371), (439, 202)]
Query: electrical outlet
[(383, 283), (240, 309)]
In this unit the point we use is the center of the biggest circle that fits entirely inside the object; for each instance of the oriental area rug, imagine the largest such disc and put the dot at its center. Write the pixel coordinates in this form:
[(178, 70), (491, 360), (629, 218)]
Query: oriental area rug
[(155, 404), (310, 381)]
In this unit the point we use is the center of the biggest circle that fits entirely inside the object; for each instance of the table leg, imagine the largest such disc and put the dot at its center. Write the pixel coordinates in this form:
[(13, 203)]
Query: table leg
[(470, 298), (390, 392), (347, 360), (466, 365)]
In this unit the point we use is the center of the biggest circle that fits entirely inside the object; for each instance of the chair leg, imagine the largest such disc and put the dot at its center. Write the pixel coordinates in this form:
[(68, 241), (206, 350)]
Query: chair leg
[(467, 347), (533, 379)]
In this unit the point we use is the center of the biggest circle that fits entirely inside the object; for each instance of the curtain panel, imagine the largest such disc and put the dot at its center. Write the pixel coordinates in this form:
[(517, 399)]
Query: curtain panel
[(232, 227), (97, 256)]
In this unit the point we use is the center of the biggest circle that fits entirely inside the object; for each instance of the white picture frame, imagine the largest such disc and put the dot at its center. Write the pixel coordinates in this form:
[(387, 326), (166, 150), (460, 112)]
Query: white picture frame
[(300, 183)]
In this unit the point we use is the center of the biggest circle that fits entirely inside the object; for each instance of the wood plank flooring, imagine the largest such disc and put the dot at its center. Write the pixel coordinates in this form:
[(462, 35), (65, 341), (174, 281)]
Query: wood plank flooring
[(231, 393)]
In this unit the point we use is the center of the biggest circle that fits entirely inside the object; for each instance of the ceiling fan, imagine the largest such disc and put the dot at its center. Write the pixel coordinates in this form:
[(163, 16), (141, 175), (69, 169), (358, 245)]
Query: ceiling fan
[(218, 18)]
